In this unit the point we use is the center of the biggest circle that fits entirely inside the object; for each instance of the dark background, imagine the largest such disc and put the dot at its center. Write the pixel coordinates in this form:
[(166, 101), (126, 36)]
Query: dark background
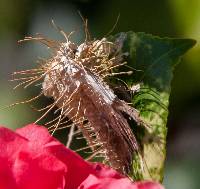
[(172, 18)]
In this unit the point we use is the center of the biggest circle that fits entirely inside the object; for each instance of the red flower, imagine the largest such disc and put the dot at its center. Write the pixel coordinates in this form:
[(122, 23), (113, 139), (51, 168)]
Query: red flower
[(31, 158)]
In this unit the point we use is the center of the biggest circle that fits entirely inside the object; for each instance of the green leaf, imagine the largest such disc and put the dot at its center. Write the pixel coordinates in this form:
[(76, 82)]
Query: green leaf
[(153, 60)]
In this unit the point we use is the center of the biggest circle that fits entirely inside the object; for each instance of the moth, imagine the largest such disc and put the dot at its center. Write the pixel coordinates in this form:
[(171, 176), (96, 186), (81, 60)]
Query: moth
[(76, 77)]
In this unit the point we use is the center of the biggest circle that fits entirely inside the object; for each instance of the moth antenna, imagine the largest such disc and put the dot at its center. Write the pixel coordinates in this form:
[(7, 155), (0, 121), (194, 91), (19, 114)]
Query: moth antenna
[(85, 22), (66, 36), (114, 26)]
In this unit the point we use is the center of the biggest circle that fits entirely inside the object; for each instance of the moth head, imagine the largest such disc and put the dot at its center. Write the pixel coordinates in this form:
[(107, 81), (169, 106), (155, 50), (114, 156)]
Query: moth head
[(68, 49)]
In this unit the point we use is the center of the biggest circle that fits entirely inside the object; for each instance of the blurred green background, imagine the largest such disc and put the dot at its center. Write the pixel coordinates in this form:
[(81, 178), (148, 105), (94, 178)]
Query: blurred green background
[(171, 18)]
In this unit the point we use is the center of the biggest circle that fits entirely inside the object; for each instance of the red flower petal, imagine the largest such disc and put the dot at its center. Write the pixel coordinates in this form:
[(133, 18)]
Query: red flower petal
[(23, 165), (31, 158), (73, 161), (7, 156), (93, 182)]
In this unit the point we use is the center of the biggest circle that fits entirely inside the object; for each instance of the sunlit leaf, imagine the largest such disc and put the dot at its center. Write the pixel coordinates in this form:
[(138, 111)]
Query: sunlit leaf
[(153, 60)]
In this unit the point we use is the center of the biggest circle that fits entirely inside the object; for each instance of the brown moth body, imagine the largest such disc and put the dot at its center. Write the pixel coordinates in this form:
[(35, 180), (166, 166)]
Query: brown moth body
[(75, 78)]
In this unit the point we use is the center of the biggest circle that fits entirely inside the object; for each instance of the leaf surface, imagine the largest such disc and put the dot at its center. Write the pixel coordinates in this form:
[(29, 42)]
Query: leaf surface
[(152, 60)]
